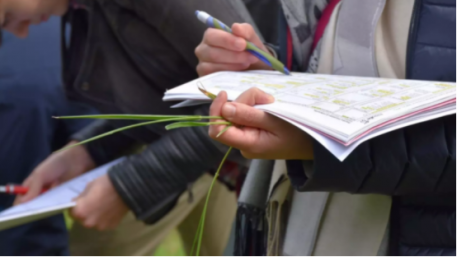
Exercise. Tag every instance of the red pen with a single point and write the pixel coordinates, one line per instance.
(16, 190)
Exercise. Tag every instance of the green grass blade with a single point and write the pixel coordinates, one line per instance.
(197, 233)
(186, 124)
(205, 207)
(122, 129)
(203, 90)
(223, 131)
(137, 117)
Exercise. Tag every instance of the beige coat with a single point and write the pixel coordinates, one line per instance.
(348, 224)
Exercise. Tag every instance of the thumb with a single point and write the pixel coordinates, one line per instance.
(84, 193)
(254, 96)
(240, 112)
(78, 212)
(245, 115)
(247, 32)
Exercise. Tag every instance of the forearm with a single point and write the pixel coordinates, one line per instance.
(150, 182)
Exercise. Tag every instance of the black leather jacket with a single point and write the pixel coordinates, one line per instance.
(121, 58)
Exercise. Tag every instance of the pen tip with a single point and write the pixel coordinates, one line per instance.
(286, 71)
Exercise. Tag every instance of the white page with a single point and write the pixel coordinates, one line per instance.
(52, 202)
(340, 106)
(341, 152)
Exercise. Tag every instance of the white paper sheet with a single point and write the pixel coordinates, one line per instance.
(52, 202)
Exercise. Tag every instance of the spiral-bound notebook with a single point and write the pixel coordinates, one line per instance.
(52, 202)
(340, 112)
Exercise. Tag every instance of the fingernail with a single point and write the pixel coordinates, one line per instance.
(228, 111)
(240, 44)
(253, 59)
(271, 98)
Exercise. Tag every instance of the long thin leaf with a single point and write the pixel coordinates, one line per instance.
(137, 117)
(205, 207)
(223, 131)
(186, 124)
(203, 90)
(121, 129)
(197, 234)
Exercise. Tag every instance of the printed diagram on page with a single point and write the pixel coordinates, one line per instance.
(347, 99)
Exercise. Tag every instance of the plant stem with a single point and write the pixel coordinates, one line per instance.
(197, 233)
(121, 129)
(138, 117)
(187, 124)
(200, 237)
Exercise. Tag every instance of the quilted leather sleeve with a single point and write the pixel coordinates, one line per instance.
(151, 182)
(419, 159)
(107, 148)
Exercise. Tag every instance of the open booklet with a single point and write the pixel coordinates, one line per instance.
(52, 202)
(340, 112)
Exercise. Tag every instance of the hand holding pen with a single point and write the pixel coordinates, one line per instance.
(16, 190)
(239, 49)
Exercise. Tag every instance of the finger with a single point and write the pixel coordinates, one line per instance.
(35, 186)
(216, 105)
(55, 184)
(80, 212)
(215, 110)
(20, 198)
(90, 223)
(242, 138)
(255, 96)
(223, 39)
(205, 68)
(245, 115)
(80, 196)
(206, 53)
(246, 31)
(77, 212)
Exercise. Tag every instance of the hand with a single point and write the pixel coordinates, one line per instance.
(56, 169)
(99, 206)
(259, 134)
(222, 51)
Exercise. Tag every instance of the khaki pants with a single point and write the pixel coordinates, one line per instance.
(348, 225)
(132, 237)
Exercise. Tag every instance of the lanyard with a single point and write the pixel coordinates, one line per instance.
(290, 49)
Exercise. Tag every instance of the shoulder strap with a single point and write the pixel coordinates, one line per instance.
(354, 50)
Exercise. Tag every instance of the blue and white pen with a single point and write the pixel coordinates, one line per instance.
(250, 47)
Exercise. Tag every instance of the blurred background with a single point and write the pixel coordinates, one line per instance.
(31, 92)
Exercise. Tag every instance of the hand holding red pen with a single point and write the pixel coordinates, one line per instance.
(17, 190)
(59, 167)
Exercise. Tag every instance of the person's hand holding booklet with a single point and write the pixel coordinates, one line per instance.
(339, 112)
(258, 135)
